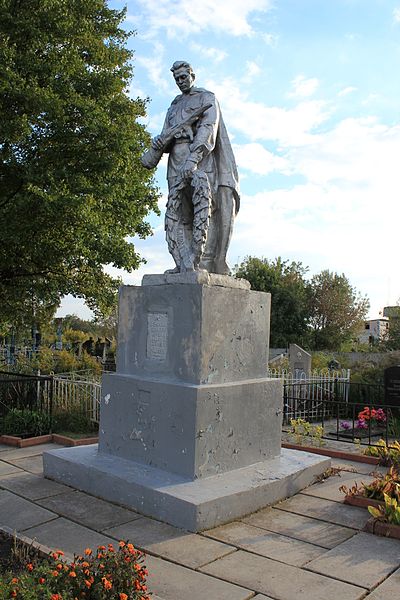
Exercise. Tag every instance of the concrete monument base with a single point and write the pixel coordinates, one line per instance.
(190, 426)
(193, 505)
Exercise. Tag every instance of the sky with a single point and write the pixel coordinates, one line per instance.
(309, 94)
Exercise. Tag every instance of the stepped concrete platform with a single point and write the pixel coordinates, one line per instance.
(193, 505)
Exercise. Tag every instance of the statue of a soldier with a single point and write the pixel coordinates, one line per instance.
(202, 177)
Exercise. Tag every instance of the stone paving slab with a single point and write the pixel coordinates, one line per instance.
(272, 545)
(164, 540)
(262, 597)
(10, 453)
(357, 467)
(6, 468)
(173, 582)
(365, 560)
(31, 486)
(88, 510)
(388, 590)
(33, 464)
(329, 489)
(325, 510)
(299, 527)
(69, 537)
(19, 514)
(281, 582)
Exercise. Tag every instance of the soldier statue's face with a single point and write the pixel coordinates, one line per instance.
(184, 80)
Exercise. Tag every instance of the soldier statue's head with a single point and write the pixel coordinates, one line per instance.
(183, 75)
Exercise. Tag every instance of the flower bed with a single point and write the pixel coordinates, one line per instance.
(108, 573)
(381, 528)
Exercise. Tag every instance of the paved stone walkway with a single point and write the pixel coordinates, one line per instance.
(307, 547)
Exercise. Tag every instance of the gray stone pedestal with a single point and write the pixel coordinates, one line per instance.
(190, 427)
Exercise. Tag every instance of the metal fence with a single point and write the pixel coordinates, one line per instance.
(50, 394)
(75, 393)
(305, 396)
(25, 392)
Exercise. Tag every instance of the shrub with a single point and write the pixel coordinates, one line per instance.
(19, 421)
(105, 574)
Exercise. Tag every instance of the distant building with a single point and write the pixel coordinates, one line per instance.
(375, 330)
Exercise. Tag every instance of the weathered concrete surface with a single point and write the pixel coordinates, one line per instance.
(279, 580)
(6, 468)
(67, 536)
(192, 430)
(168, 542)
(299, 527)
(193, 505)
(272, 545)
(31, 486)
(173, 582)
(88, 511)
(326, 510)
(33, 464)
(19, 514)
(201, 277)
(389, 589)
(365, 560)
(329, 489)
(193, 333)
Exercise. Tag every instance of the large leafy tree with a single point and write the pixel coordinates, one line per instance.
(71, 186)
(337, 311)
(289, 296)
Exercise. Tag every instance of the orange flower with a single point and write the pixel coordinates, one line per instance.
(121, 544)
(85, 564)
(59, 567)
(56, 597)
(72, 574)
(101, 547)
(123, 596)
(55, 573)
(88, 583)
(88, 551)
(14, 594)
(14, 580)
(29, 566)
(107, 584)
(42, 580)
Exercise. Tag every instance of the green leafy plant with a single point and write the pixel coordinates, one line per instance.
(381, 486)
(19, 421)
(388, 454)
(108, 573)
(304, 431)
(389, 512)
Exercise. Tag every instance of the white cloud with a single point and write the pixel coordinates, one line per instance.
(271, 39)
(255, 158)
(184, 17)
(258, 121)
(215, 54)
(396, 15)
(156, 70)
(347, 90)
(303, 87)
(252, 69)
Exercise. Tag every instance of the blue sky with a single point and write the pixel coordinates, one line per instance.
(310, 96)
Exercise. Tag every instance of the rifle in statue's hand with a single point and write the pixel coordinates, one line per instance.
(152, 157)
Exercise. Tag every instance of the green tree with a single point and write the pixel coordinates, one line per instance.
(71, 185)
(289, 296)
(392, 340)
(337, 311)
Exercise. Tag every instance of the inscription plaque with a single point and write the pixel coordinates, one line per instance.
(157, 336)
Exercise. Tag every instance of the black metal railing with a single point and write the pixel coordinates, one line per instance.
(348, 412)
(32, 393)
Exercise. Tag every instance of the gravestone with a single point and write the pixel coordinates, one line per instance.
(299, 362)
(392, 385)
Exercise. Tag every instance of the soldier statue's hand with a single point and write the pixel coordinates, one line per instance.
(188, 169)
(157, 143)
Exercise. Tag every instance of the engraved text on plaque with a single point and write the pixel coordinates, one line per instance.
(157, 335)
